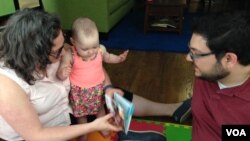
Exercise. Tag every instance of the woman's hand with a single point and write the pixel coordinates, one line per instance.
(105, 123)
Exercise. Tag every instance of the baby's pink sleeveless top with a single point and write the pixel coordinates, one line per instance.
(87, 74)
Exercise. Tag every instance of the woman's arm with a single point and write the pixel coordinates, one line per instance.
(18, 112)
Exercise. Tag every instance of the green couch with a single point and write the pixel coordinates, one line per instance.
(106, 13)
(6, 7)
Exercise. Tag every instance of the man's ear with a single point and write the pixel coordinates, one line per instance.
(231, 59)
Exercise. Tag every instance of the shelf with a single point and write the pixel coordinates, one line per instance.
(164, 15)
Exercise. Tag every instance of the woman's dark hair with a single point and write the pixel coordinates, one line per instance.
(226, 32)
(26, 42)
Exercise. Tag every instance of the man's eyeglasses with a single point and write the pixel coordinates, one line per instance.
(197, 56)
(57, 53)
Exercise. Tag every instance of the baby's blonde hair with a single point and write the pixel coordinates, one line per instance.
(83, 26)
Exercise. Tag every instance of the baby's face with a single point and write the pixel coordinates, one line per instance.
(87, 48)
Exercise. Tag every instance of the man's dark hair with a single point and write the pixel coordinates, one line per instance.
(226, 32)
(26, 42)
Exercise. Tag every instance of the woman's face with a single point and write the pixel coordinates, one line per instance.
(57, 50)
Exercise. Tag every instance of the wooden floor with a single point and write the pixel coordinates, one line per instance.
(162, 77)
(158, 76)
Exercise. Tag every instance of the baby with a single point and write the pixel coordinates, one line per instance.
(83, 64)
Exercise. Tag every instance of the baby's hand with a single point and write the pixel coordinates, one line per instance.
(124, 55)
(66, 71)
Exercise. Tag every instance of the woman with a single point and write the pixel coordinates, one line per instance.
(30, 48)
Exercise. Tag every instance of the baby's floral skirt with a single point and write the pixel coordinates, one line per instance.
(86, 101)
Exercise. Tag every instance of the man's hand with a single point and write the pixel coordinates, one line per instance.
(110, 91)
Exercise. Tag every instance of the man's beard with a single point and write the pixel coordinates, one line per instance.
(217, 73)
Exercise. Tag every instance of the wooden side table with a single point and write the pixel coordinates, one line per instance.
(164, 15)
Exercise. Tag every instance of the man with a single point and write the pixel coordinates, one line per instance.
(220, 53)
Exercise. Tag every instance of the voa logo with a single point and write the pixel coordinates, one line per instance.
(236, 132)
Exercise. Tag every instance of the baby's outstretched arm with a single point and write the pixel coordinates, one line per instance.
(112, 58)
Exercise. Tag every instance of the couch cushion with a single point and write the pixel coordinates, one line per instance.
(113, 5)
